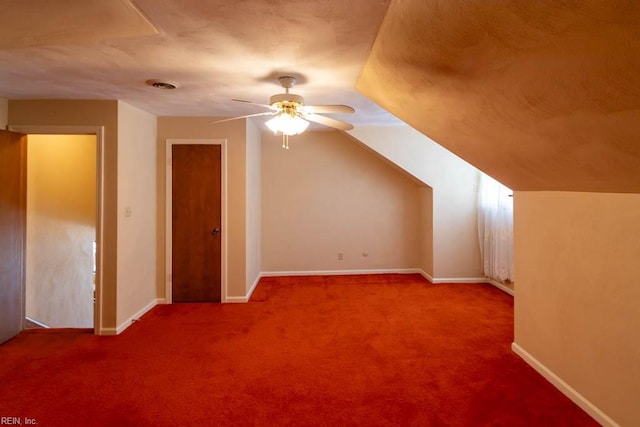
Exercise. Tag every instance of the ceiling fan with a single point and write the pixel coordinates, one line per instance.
(292, 116)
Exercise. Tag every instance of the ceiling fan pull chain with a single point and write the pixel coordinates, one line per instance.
(285, 141)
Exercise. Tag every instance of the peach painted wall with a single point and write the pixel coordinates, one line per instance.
(4, 112)
(456, 251)
(61, 229)
(425, 229)
(577, 303)
(136, 212)
(328, 195)
(235, 134)
(254, 204)
(86, 113)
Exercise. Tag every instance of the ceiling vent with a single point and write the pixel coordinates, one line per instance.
(161, 84)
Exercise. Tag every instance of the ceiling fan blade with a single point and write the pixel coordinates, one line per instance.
(327, 121)
(254, 103)
(336, 109)
(268, 113)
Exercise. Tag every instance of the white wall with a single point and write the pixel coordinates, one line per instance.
(61, 229)
(136, 276)
(425, 230)
(254, 204)
(577, 300)
(456, 252)
(328, 194)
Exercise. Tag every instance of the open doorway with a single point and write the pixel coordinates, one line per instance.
(60, 263)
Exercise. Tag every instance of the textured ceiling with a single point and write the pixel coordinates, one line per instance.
(215, 50)
(31, 23)
(542, 95)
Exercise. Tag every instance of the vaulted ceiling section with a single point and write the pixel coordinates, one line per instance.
(542, 95)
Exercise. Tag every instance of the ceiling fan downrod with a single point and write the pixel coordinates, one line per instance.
(287, 82)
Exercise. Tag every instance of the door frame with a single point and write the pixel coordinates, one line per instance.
(98, 131)
(169, 220)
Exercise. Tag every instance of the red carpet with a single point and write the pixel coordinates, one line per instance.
(383, 350)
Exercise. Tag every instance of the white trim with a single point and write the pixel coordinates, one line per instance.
(35, 322)
(223, 214)
(500, 286)
(474, 280)
(98, 131)
(565, 388)
(253, 287)
(247, 297)
(131, 320)
(237, 300)
(437, 280)
(426, 275)
(339, 272)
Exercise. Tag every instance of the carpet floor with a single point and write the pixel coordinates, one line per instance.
(369, 350)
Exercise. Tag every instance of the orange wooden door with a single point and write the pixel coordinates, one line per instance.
(12, 232)
(196, 223)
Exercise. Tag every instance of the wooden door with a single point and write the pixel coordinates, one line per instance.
(196, 222)
(12, 232)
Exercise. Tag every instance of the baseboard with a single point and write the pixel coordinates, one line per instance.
(565, 388)
(254, 286)
(30, 323)
(460, 280)
(247, 297)
(340, 272)
(500, 286)
(426, 275)
(436, 280)
(124, 325)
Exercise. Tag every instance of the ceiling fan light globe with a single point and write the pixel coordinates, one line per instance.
(287, 124)
(299, 125)
(273, 125)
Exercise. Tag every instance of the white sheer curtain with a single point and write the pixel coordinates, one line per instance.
(495, 228)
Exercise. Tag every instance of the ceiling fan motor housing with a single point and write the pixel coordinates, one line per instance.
(286, 98)
(287, 103)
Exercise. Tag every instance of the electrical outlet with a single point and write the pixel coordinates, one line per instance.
(340, 256)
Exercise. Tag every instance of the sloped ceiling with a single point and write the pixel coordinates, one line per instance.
(542, 95)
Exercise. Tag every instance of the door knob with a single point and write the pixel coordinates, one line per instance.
(215, 231)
